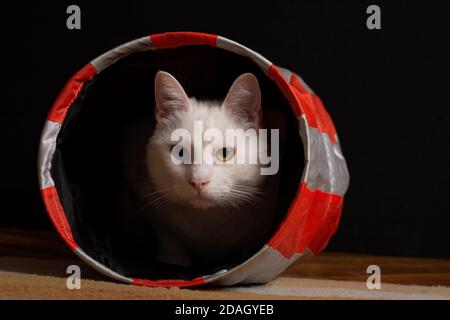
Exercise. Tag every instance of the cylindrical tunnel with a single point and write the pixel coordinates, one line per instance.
(97, 130)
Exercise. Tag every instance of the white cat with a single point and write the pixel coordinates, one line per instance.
(205, 212)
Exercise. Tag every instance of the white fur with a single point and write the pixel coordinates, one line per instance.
(229, 184)
(230, 213)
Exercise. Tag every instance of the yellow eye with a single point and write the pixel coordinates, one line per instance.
(225, 154)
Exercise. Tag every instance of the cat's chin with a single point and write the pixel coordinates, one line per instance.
(202, 203)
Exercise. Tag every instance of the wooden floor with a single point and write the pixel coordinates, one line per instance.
(353, 267)
(330, 266)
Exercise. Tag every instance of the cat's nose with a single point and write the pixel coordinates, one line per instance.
(198, 184)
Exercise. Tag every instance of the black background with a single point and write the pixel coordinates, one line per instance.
(386, 90)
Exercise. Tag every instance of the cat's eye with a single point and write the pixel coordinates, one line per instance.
(225, 154)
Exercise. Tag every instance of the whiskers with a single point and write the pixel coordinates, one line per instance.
(240, 196)
(238, 199)
(154, 196)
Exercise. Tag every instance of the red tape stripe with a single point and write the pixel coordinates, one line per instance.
(57, 215)
(303, 102)
(275, 74)
(69, 93)
(169, 283)
(310, 222)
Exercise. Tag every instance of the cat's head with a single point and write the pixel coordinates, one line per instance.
(221, 181)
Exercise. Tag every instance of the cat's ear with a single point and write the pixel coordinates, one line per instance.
(243, 101)
(170, 97)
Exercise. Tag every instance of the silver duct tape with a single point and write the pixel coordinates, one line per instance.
(264, 266)
(112, 56)
(46, 150)
(286, 73)
(100, 267)
(308, 88)
(325, 169)
(238, 48)
(304, 135)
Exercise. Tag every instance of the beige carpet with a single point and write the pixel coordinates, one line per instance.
(33, 266)
(21, 284)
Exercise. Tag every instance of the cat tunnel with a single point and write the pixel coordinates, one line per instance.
(98, 127)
